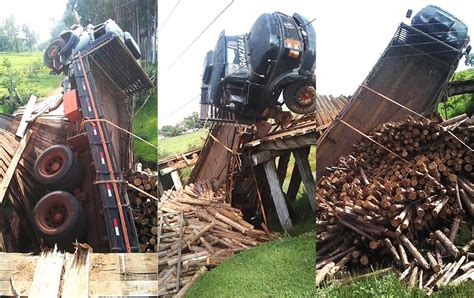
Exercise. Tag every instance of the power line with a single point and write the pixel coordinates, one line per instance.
(200, 34)
(180, 107)
(167, 18)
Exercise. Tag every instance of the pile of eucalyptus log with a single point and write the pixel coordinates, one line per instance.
(144, 208)
(399, 199)
(199, 229)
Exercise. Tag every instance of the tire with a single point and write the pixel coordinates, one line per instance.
(57, 168)
(290, 97)
(59, 217)
(51, 55)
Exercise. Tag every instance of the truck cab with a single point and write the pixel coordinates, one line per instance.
(247, 73)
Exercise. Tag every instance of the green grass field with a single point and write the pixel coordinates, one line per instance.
(280, 268)
(182, 143)
(145, 125)
(23, 62)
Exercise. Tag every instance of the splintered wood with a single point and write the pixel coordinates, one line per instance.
(144, 208)
(399, 199)
(198, 228)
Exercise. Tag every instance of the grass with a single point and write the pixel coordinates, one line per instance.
(388, 285)
(145, 125)
(182, 143)
(282, 267)
(44, 83)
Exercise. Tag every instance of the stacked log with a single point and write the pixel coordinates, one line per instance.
(144, 208)
(399, 199)
(198, 228)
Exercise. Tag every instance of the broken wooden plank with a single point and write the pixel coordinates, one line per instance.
(176, 180)
(76, 274)
(47, 278)
(20, 132)
(13, 164)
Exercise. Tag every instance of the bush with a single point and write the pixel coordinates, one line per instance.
(18, 84)
(458, 104)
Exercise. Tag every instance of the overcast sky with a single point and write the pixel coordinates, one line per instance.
(351, 36)
(35, 13)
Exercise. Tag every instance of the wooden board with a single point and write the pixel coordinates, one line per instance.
(124, 274)
(213, 161)
(26, 116)
(13, 164)
(108, 274)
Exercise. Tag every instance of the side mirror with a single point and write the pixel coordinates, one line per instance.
(408, 14)
(206, 76)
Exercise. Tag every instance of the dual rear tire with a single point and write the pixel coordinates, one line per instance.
(58, 216)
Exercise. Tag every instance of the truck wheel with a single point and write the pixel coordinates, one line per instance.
(59, 216)
(300, 98)
(57, 168)
(51, 55)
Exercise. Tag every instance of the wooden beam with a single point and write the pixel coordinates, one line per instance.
(277, 195)
(20, 132)
(294, 186)
(176, 180)
(283, 166)
(263, 156)
(291, 142)
(301, 158)
(13, 164)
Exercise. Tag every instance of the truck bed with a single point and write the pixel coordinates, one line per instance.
(413, 77)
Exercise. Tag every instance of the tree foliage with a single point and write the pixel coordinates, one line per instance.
(459, 104)
(171, 131)
(139, 17)
(189, 123)
(31, 38)
(20, 85)
(192, 122)
(16, 38)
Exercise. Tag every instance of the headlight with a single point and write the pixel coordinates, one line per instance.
(293, 44)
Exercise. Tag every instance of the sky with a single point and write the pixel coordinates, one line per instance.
(39, 15)
(351, 36)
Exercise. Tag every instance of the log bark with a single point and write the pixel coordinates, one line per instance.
(416, 254)
(450, 247)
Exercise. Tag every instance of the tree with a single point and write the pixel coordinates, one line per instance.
(12, 31)
(4, 41)
(31, 38)
(138, 17)
(192, 122)
(170, 131)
